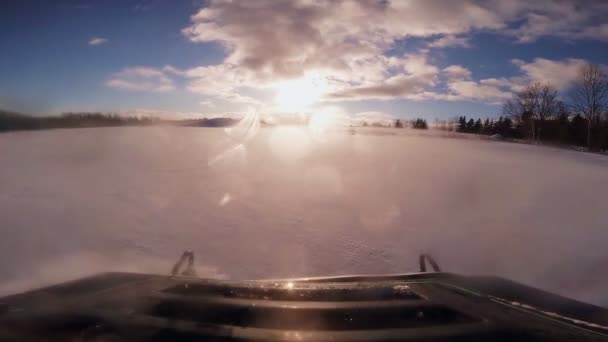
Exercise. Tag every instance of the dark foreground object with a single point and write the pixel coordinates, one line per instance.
(422, 306)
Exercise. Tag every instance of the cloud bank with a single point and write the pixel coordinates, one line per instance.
(349, 45)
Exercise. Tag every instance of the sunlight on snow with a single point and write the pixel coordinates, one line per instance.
(290, 143)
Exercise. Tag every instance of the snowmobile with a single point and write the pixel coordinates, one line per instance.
(430, 305)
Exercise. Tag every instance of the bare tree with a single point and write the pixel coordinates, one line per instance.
(562, 112)
(521, 109)
(590, 96)
(536, 101)
(522, 102)
(547, 104)
(547, 101)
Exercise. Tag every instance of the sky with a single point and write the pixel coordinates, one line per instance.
(370, 58)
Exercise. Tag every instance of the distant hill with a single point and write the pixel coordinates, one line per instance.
(214, 122)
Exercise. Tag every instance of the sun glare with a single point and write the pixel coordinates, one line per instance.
(326, 119)
(298, 95)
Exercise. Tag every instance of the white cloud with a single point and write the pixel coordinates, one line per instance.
(472, 90)
(498, 82)
(599, 32)
(413, 75)
(559, 18)
(449, 41)
(457, 72)
(462, 87)
(402, 86)
(559, 74)
(217, 80)
(97, 41)
(141, 79)
(207, 103)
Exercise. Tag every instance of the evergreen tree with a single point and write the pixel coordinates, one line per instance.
(462, 124)
(470, 126)
(487, 127)
(477, 127)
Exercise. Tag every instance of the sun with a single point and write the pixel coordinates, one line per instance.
(298, 95)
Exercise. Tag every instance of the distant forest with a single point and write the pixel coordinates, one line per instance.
(12, 121)
(566, 129)
(418, 123)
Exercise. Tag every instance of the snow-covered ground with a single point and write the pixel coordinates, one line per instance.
(293, 202)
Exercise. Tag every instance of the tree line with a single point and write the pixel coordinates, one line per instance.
(539, 114)
(12, 121)
(418, 123)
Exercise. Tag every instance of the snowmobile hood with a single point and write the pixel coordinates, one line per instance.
(431, 306)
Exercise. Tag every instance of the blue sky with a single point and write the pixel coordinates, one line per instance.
(432, 58)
